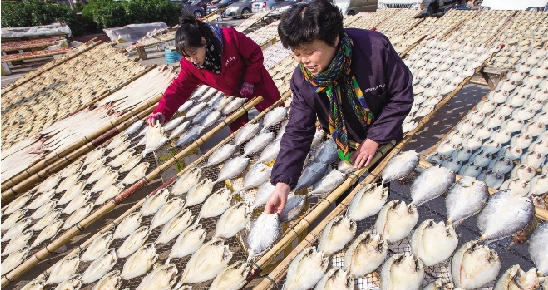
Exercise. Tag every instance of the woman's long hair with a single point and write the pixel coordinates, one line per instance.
(190, 33)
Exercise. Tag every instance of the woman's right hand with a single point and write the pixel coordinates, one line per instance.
(276, 201)
(152, 118)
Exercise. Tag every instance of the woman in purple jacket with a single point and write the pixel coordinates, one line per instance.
(351, 79)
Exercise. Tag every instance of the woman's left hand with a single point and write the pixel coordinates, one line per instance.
(365, 153)
(247, 90)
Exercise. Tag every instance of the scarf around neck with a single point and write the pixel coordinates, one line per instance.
(213, 53)
(339, 85)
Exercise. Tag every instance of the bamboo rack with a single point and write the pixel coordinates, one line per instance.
(31, 55)
(8, 191)
(92, 218)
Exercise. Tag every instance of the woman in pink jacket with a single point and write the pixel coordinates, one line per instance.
(222, 58)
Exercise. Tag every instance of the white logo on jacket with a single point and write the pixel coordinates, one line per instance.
(229, 60)
(373, 88)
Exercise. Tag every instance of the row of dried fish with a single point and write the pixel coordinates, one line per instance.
(369, 20)
(482, 27)
(399, 23)
(274, 54)
(265, 34)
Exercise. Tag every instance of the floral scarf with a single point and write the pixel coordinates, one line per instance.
(213, 53)
(338, 83)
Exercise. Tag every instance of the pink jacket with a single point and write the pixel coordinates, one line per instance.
(242, 60)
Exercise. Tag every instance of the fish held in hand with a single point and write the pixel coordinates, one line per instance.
(155, 138)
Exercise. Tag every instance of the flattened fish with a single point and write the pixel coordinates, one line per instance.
(365, 254)
(207, 262)
(431, 183)
(246, 132)
(474, 265)
(400, 165)
(306, 270)
(368, 201)
(311, 174)
(108, 193)
(46, 220)
(168, 211)
(293, 207)
(161, 278)
(274, 117)
(98, 174)
(175, 226)
(129, 224)
(74, 167)
(433, 242)
(516, 278)
(94, 155)
(13, 219)
(188, 242)
(136, 173)
(14, 260)
(338, 232)
(402, 272)
(186, 181)
(100, 267)
(199, 192)
(538, 248)
(263, 193)
(77, 202)
(232, 221)
(232, 278)
(120, 148)
(47, 233)
(17, 203)
(134, 127)
(265, 230)
(210, 119)
(256, 175)
(180, 129)
(154, 202)
(97, 247)
(130, 163)
(270, 152)
(335, 279)
(173, 123)
(327, 184)
(155, 138)
(140, 262)
(221, 154)
(122, 158)
(89, 168)
(191, 135)
(216, 204)
(78, 215)
(17, 229)
(63, 269)
(111, 281)
(72, 193)
(50, 183)
(396, 220)
(17, 243)
(72, 283)
(232, 168)
(44, 209)
(466, 198)
(232, 106)
(133, 242)
(258, 143)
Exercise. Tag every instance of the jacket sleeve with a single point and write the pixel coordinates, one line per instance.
(399, 80)
(177, 93)
(295, 143)
(253, 57)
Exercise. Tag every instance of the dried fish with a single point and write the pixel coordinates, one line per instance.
(368, 201)
(175, 226)
(134, 127)
(154, 202)
(265, 230)
(122, 158)
(136, 173)
(17, 229)
(72, 283)
(440, 284)
(396, 220)
(258, 143)
(270, 152)
(13, 260)
(327, 153)
(161, 278)
(36, 284)
(365, 254)
(46, 220)
(232, 106)
(402, 272)
(98, 247)
(188, 242)
(19, 242)
(335, 279)
(180, 129)
(98, 174)
(174, 123)
(130, 163)
(221, 154)
(474, 265)
(50, 183)
(77, 202)
(515, 278)
(311, 174)
(539, 249)
(100, 267)
(431, 183)
(133, 242)
(108, 193)
(76, 166)
(246, 132)
(293, 207)
(232, 221)
(155, 138)
(231, 278)
(216, 204)
(190, 136)
(186, 181)
(119, 149)
(263, 193)
(433, 242)
(13, 219)
(44, 209)
(63, 269)
(140, 262)
(170, 209)
(207, 262)
(338, 232)
(111, 281)
(78, 215)
(256, 175)
(72, 193)
(466, 198)
(306, 270)
(128, 225)
(17, 203)
(505, 214)
(210, 119)
(400, 165)
(274, 117)
(328, 183)
(47, 233)
(94, 155)
(232, 168)
(69, 182)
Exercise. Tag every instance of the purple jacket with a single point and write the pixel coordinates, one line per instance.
(387, 85)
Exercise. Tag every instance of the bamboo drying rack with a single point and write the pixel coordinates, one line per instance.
(92, 218)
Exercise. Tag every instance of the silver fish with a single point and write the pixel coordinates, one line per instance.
(154, 202)
(17, 203)
(365, 254)
(282, 130)
(219, 106)
(47, 233)
(120, 149)
(515, 278)
(63, 269)
(319, 135)
(201, 116)
(207, 262)
(335, 279)
(210, 119)
(46, 220)
(74, 167)
(538, 249)
(72, 193)
(17, 229)
(431, 183)
(130, 163)
(116, 142)
(140, 262)
(44, 209)
(199, 192)
(274, 117)
(263, 193)
(396, 220)
(133, 242)
(402, 272)
(129, 224)
(142, 133)
(270, 152)
(98, 174)
(111, 281)
(107, 180)
(232, 106)
(232, 221)
(134, 127)
(94, 155)
(14, 259)
(161, 278)
(221, 154)
(517, 186)
(97, 247)
(232, 168)
(246, 132)
(72, 283)
(257, 175)
(170, 209)
(180, 129)
(293, 207)
(231, 278)
(474, 265)
(122, 158)
(184, 107)
(188, 242)
(155, 138)
(265, 230)
(505, 214)
(306, 270)
(173, 123)
(138, 172)
(78, 215)
(186, 181)
(216, 204)
(175, 226)
(327, 184)
(49, 183)
(328, 153)
(19, 242)
(311, 174)
(77, 202)
(338, 232)
(13, 219)
(108, 193)
(368, 201)
(190, 136)
(433, 242)
(71, 180)
(400, 165)
(258, 143)
(100, 267)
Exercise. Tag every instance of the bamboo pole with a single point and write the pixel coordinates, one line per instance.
(86, 222)
(279, 272)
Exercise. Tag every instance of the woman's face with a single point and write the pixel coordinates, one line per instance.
(315, 56)
(196, 55)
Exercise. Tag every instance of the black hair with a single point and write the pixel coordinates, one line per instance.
(190, 33)
(306, 22)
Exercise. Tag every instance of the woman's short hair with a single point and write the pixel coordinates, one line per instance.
(190, 33)
(306, 22)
